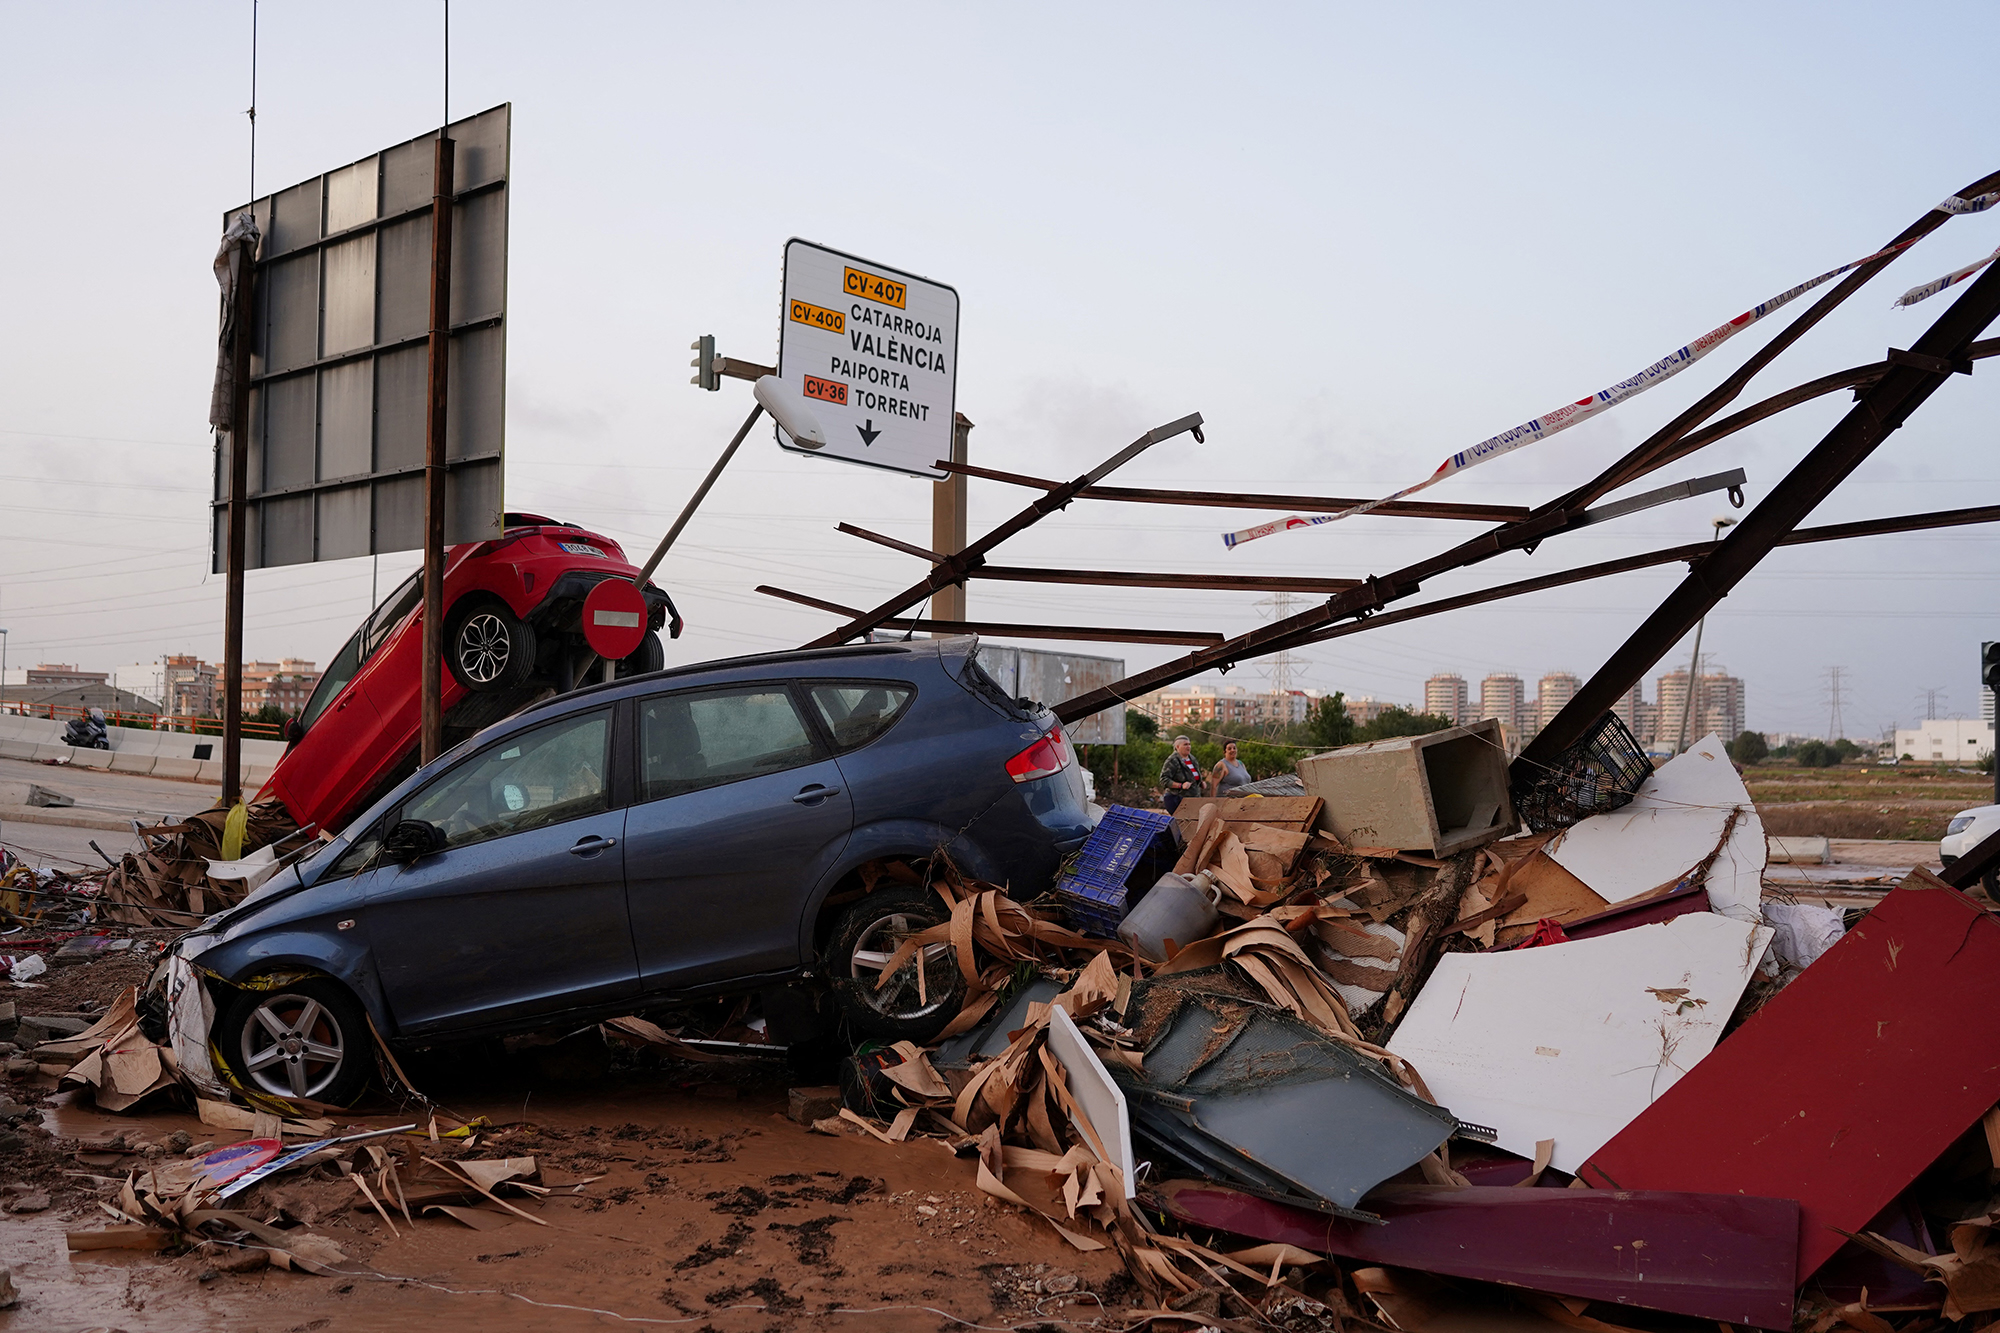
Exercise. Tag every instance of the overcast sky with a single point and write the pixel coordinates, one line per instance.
(1355, 238)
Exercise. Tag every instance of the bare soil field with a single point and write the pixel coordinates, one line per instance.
(1906, 802)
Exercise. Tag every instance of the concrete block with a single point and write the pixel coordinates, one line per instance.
(90, 758)
(805, 1105)
(208, 770)
(16, 749)
(1441, 793)
(132, 761)
(47, 751)
(166, 766)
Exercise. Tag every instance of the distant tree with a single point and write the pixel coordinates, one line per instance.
(1394, 721)
(1140, 726)
(1329, 725)
(1749, 748)
(1815, 754)
(268, 713)
(1847, 748)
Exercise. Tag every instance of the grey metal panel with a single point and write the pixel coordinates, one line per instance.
(479, 154)
(407, 174)
(1050, 678)
(399, 410)
(288, 434)
(403, 266)
(290, 293)
(346, 422)
(347, 299)
(345, 523)
(474, 413)
(472, 500)
(478, 257)
(295, 218)
(254, 441)
(399, 514)
(340, 429)
(288, 530)
(350, 196)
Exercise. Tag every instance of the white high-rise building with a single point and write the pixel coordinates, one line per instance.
(1446, 696)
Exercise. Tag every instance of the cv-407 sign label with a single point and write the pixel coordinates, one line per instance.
(875, 350)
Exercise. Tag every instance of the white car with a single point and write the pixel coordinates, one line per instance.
(1967, 829)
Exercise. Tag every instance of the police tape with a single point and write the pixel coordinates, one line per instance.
(1570, 414)
(1932, 288)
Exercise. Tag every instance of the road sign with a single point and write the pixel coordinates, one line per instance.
(875, 352)
(339, 350)
(614, 619)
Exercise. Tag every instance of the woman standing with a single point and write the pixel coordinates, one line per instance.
(1180, 775)
(1228, 773)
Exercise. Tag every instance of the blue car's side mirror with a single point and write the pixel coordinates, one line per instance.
(413, 839)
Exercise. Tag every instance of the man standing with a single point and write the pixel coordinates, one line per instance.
(1179, 775)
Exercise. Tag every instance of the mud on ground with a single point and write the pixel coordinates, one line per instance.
(682, 1197)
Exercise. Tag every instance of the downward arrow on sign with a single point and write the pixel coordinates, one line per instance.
(868, 432)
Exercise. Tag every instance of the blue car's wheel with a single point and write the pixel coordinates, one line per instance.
(922, 994)
(307, 1038)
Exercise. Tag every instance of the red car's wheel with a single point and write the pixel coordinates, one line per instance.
(490, 648)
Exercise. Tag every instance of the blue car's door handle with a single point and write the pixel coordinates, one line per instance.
(592, 845)
(809, 795)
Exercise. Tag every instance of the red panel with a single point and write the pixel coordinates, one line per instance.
(1847, 1084)
(1721, 1257)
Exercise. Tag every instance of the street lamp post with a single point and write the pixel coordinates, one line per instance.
(1694, 667)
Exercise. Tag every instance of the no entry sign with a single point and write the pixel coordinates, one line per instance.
(614, 619)
(875, 352)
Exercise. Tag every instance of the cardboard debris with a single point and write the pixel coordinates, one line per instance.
(113, 1058)
(1573, 1041)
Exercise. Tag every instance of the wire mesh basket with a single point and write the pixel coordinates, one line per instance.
(1599, 771)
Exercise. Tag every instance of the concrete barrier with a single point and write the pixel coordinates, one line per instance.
(48, 751)
(165, 766)
(128, 761)
(90, 758)
(16, 749)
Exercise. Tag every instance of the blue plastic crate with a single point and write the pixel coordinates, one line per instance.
(1094, 888)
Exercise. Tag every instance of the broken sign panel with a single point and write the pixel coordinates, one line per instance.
(1572, 1041)
(1693, 809)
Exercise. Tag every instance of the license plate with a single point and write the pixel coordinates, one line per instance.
(582, 548)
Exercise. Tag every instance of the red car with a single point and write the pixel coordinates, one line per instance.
(513, 631)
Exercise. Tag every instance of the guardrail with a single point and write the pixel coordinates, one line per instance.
(198, 726)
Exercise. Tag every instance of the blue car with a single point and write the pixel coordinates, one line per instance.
(736, 827)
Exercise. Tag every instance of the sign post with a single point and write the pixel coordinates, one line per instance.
(948, 522)
(432, 743)
(239, 514)
(876, 351)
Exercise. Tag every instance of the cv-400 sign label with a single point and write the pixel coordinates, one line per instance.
(875, 350)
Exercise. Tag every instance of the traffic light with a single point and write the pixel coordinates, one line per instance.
(704, 363)
(1989, 665)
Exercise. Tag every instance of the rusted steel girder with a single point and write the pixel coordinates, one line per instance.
(1547, 520)
(954, 568)
(1693, 553)
(1312, 504)
(1078, 632)
(1903, 388)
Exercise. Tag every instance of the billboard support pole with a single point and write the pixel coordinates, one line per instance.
(948, 522)
(239, 513)
(434, 453)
